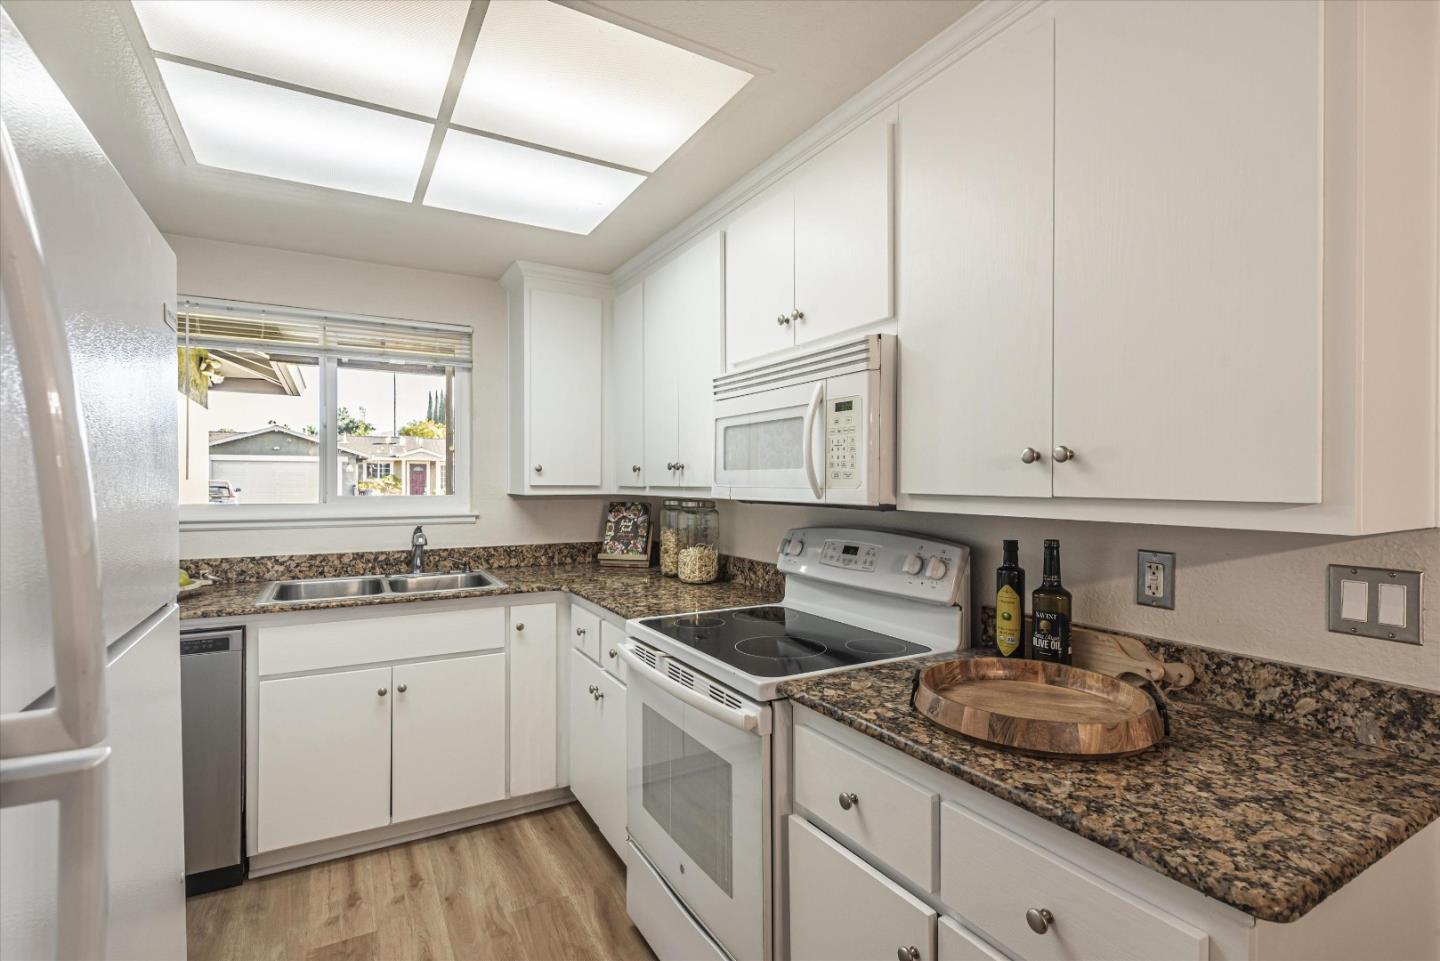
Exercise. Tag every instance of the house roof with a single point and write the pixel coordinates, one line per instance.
(218, 437)
(364, 447)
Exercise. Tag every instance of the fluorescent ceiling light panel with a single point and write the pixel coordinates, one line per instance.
(493, 178)
(394, 54)
(554, 76)
(261, 129)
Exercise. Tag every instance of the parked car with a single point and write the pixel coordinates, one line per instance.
(222, 493)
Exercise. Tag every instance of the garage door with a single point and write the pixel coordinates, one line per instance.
(265, 480)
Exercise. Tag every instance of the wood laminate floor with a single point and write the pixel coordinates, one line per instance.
(542, 886)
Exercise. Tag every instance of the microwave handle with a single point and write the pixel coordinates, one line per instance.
(816, 401)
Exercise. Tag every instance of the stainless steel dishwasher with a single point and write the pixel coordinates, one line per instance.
(212, 717)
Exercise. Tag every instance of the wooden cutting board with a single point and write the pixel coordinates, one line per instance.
(1039, 707)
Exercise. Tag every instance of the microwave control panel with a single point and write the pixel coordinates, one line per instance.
(844, 428)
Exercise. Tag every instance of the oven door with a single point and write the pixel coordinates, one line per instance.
(770, 445)
(696, 797)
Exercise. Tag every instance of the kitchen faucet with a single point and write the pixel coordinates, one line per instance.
(417, 550)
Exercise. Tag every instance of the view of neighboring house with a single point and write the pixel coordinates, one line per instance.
(278, 465)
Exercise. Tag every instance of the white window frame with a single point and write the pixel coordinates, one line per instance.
(334, 509)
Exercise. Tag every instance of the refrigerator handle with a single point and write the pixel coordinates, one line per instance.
(62, 481)
(77, 780)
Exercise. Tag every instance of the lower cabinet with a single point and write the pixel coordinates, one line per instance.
(448, 742)
(597, 746)
(324, 756)
(954, 943)
(842, 909)
(533, 695)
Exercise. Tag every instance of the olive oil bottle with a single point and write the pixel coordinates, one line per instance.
(1050, 609)
(1010, 602)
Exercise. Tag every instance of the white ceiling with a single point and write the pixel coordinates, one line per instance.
(808, 58)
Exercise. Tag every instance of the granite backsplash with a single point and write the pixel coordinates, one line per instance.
(1402, 719)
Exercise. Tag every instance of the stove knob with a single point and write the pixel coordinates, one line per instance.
(912, 564)
(794, 547)
(936, 568)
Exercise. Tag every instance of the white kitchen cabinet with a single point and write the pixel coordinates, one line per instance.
(533, 682)
(448, 742)
(585, 631)
(557, 330)
(627, 384)
(683, 321)
(597, 747)
(814, 257)
(611, 637)
(976, 213)
(954, 943)
(841, 908)
(324, 756)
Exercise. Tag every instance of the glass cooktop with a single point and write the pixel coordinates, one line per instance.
(774, 641)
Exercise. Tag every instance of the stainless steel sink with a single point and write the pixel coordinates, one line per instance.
(427, 583)
(325, 589)
(342, 588)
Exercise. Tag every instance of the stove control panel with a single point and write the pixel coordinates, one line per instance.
(884, 561)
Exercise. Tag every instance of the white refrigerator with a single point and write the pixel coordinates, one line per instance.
(91, 832)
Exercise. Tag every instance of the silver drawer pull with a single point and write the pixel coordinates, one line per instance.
(579, 632)
(382, 691)
(848, 801)
(1029, 455)
(614, 653)
(910, 953)
(402, 688)
(599, 695)
(1039, 919)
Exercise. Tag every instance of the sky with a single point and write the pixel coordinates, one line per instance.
(369, 390)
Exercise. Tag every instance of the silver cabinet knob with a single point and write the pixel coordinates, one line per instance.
(599, 695)
(592, 689)
(1062, 454)
(1039, 919)
(613, 653)
(848, 801)
(782, 320)
(679, 466)
(519, 627)
(910, 953)
(538, 468)
(635, 469)
(402, 688)
(670, 465)
(797, 314)
(579, 632)
(383, 691)
(1029, 455)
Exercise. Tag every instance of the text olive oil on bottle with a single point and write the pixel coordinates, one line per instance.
(1050, 610)
(1010, 602)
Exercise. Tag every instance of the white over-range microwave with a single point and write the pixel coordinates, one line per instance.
(814, 428)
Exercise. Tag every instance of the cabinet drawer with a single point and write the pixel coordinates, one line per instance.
(841, 908)
(292, 648)
(992, 877)
(611, 638)
(888, 815)
(585, 632)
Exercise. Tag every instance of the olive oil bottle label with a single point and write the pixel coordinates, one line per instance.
(1050, 641)
(1007, 620)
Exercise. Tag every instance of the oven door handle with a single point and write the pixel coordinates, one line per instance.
(754, 719)
(816, 401)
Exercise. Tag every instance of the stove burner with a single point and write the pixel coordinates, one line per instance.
(876, 645)
(780, 648)
(694, 622)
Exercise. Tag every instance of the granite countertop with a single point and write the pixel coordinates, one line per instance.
(627, 592)
(1259, 815)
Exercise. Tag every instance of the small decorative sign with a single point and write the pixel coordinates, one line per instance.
(626, 541)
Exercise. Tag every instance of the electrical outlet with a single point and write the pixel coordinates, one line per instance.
(1155, 578)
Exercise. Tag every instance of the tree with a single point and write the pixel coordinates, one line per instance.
(389, 484)
(423, 428)
(346, 423)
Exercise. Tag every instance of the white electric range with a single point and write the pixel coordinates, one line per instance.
(707, 734)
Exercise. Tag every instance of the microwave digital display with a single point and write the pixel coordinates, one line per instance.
(844, 405)
(850, 550)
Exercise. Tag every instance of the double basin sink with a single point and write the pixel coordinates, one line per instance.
(375, 585)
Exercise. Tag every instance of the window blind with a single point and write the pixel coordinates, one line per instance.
(233, 325)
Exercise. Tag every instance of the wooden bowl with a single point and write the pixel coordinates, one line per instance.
(1039, 707)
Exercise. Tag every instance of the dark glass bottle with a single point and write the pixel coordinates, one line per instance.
(1050, 610)
(1010, 602)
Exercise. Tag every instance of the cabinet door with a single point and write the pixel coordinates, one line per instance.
(597, 747)
(627, 366)
(1188, 250)
(533, 716)
(843, 241)
(584, 711)
(585, 632)
(664, 314)
(564, 389)
(611, 637)
(760, 277)
(324, 756)
(976, 216)
(841, 908)
(702, 272)
(449, 735)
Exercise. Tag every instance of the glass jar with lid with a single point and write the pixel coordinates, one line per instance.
(699, 560)
(670, 538)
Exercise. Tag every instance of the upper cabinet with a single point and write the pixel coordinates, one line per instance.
(626, 350)
(557, 323)
(813, 257)
(683, 320)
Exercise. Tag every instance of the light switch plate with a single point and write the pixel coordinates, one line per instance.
(1155, 578)
(1404, 608)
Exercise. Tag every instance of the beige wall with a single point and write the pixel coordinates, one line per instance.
(266, 275)
(1260, 594)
